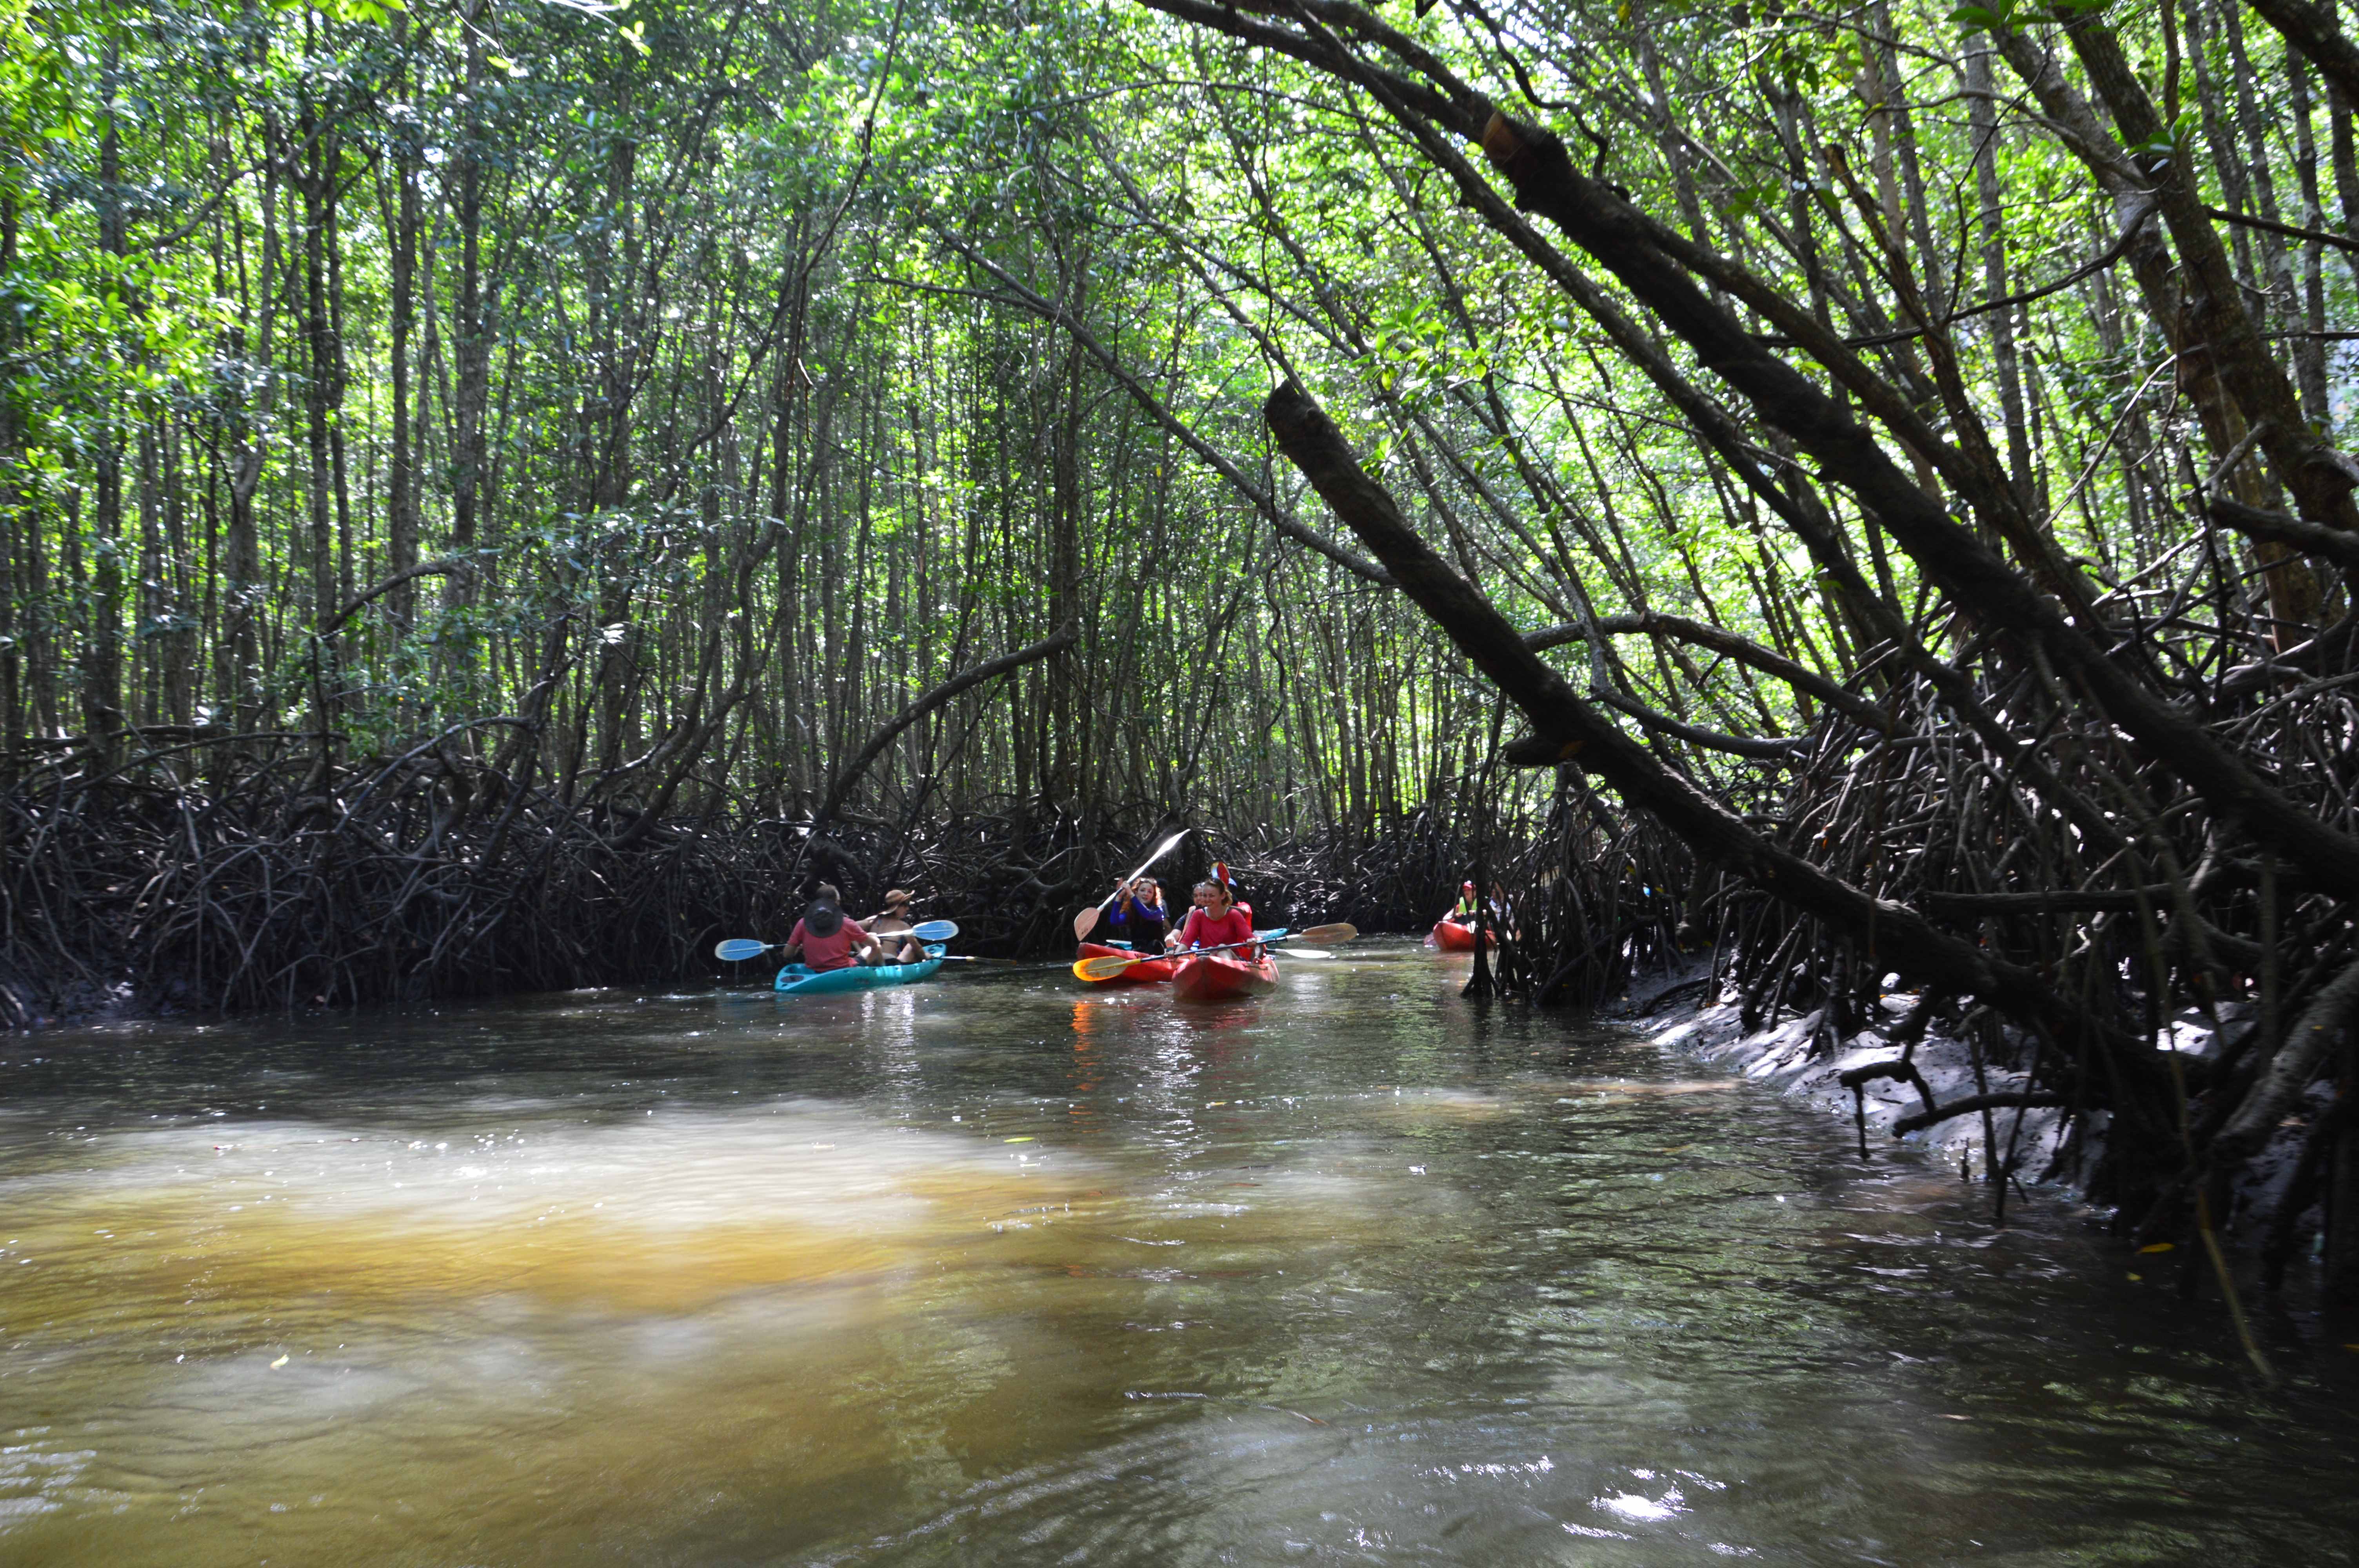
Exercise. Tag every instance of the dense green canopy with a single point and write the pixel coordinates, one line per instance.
(737, 373)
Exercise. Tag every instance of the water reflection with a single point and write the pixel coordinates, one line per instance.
(998, 1272)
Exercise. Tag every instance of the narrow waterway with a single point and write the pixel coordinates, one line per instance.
(994, 1272)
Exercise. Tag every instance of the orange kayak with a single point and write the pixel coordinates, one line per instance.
(1150, 972)
(1216, 977)
(1452, 937)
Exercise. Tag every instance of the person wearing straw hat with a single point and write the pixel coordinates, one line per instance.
(892, 926)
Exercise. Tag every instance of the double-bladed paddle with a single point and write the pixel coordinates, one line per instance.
(1112, 964)
(737, 949)
(1087, 921)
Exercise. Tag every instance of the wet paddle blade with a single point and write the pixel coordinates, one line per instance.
(737, 949)
(1161, 850)
(934, 930)
(1104, 968)
(1085, 923)
(1342, 931)
(1294, 952)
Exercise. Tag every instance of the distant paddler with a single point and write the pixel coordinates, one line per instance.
(1454, 932)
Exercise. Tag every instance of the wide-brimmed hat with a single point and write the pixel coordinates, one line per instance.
(822, 919)
(898, 895)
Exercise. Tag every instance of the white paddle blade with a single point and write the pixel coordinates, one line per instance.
(934, 930)
(1161, 850)
(737, 949)
(1087, 921)
(1293, 952)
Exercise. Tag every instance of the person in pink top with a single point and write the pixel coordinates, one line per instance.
(825, 939)
(1215, 922)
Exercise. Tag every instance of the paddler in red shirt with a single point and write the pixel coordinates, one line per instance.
(1215, 922)
(824, 939)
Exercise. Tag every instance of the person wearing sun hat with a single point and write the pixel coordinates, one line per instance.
(824, 938)
(892, 925)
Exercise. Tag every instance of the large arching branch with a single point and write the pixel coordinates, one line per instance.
(1745, 651)
(1889, 933)
(965, 680)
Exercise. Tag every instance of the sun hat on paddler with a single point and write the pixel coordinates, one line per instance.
(898, 895)
(822, 918)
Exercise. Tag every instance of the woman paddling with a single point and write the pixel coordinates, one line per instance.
(892, 926)
(1138, 916)
(1215, 922)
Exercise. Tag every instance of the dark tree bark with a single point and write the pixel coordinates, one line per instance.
(1889, 934)
(2311, 29)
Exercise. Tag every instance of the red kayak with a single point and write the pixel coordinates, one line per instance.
(1452, 937)
(1216, 977)
(1150, 971)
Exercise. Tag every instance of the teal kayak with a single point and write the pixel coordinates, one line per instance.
(797, 981)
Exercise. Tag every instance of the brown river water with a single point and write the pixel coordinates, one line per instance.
(993, 1271)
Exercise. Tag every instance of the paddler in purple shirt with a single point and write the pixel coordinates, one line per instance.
(1138, 916)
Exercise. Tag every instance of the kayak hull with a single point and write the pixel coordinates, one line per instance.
(1451, 937)
(1217, 976)
(1151, 971)
(797, 981)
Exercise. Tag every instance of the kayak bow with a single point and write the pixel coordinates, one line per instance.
(1146, 971)
(1217, 976)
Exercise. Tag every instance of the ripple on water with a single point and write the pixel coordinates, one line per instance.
(1013, 1273)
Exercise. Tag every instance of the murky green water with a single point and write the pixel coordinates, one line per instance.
(993, 1272)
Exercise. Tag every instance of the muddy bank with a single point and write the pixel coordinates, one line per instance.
(1964, 1092)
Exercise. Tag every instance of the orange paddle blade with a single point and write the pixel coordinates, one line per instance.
(1106, 968)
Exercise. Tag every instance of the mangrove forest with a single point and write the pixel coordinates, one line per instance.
(1843, 515)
